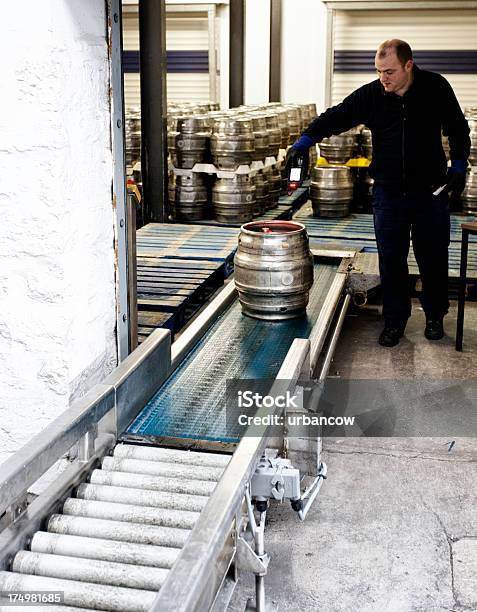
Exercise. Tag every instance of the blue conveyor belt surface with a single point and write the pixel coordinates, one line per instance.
(191, 403)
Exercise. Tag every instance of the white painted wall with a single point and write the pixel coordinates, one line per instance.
(257, 51)
(57, 281)
(303, 60)
(303, 51)
(223, 48)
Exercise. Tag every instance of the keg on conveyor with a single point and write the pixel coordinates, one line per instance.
(188, 197)
(471, 116)
(232, 142)
(234, 199)
(189, 142)
(331, 191)
(469, 195)
(338, 149)
(273, 269)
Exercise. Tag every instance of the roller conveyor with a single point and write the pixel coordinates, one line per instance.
(125, 520)
(113, 544)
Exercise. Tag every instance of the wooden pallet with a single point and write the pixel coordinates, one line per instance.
(147, 322)
(358, 226)
(174, 287)
(186, 242)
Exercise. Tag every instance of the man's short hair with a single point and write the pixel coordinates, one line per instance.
(400, 47)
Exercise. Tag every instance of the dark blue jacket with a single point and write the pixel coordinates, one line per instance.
(407, 145)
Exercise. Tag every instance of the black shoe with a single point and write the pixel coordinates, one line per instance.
(434, 329)
(390, 336)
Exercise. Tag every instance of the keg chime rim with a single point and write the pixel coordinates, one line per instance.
(274, 227)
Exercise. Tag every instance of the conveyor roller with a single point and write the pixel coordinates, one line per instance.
(115, 542)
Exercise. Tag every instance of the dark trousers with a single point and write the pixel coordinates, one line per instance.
(424, 218)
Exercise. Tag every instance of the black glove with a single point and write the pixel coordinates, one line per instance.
(293, 154)
(456, 175)
(298, 149)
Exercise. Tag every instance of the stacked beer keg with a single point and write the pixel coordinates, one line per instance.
(471, 116)
(188, 141)
(133, 136)
(188, 196)
(331, 191)
(469, 195)
(366, 143)
(340, 148)
(234, 199)
(223, 147)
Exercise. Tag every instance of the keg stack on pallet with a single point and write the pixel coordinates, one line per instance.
(341, 176)
(469, 196)
(233, 159)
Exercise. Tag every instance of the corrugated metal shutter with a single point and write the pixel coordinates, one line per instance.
(357, 33)
(187, 43)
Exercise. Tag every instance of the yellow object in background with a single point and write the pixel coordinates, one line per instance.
(358, 162)
(354, 162)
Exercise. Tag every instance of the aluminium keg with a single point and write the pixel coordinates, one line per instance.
(294, 123)
(189, 143)
(232, 142)
(469, 195)
(273, 269)
(282, 115)
(331, 191)
(262, 194)
(234, 199)
(312, 112)
(471, 116)
(132, 132)
(366, 143)
(188, 197)
(274, 179)
(338, 149)
(260, 133)
(274, 132)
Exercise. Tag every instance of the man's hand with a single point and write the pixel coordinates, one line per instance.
(455, 180)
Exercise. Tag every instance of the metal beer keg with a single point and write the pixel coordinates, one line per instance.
(273, 269)
(189, 142)
(331, 191)
(469, 195)
(234, 199)
(338, 149)
(232, 142)
(188, 197)
(471, 116)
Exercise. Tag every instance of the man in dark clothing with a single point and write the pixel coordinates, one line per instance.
(405, 108)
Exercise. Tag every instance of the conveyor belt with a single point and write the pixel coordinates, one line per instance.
(191, 402)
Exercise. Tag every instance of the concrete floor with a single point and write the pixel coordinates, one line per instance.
(394, 527)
